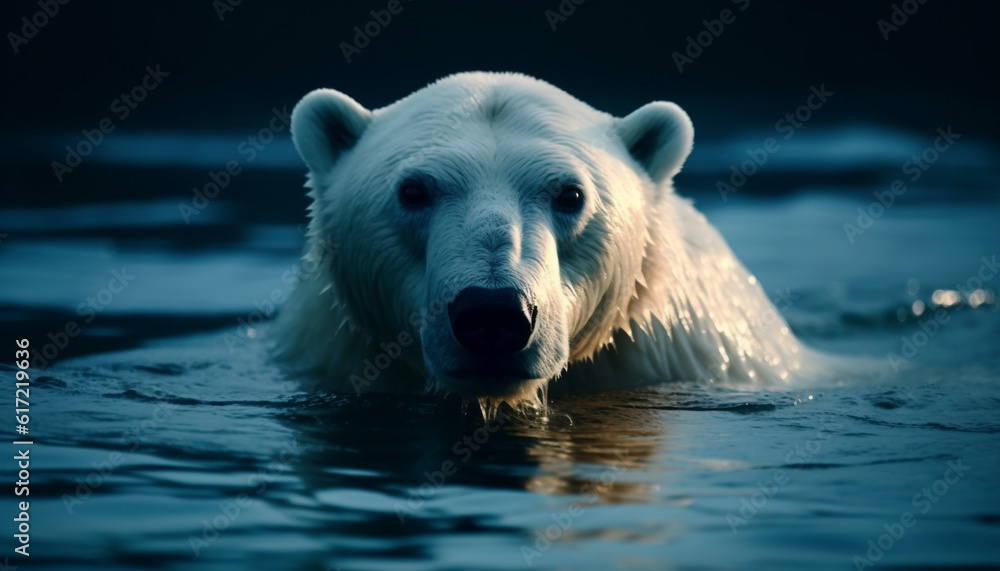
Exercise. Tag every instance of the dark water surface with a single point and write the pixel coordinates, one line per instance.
(165, 437)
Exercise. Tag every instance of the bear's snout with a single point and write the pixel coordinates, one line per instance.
(492, 322)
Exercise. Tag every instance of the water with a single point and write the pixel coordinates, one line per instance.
(165, 437)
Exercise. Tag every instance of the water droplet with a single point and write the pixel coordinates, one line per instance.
(977, 298)
(945, 297)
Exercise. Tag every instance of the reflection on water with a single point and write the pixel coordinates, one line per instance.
(166, 438)
(225, 463)
(601, 434)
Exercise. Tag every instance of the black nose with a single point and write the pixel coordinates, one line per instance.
(492, 321)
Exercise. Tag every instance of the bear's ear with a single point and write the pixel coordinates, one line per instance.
(325, 123)
(659, 135)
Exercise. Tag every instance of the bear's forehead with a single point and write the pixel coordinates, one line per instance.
(468, 129)
(466, 102)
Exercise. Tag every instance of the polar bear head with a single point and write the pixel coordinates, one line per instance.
(499, 219)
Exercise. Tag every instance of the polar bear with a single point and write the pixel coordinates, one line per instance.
(490, 233)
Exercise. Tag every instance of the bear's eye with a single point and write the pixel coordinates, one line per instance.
(569, 199)
(413, 195)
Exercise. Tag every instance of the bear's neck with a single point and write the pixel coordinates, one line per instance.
(697, 313)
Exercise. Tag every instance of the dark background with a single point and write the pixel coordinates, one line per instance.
(225, 76)
(612, 54)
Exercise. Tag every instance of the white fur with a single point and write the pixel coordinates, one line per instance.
(638, 289)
